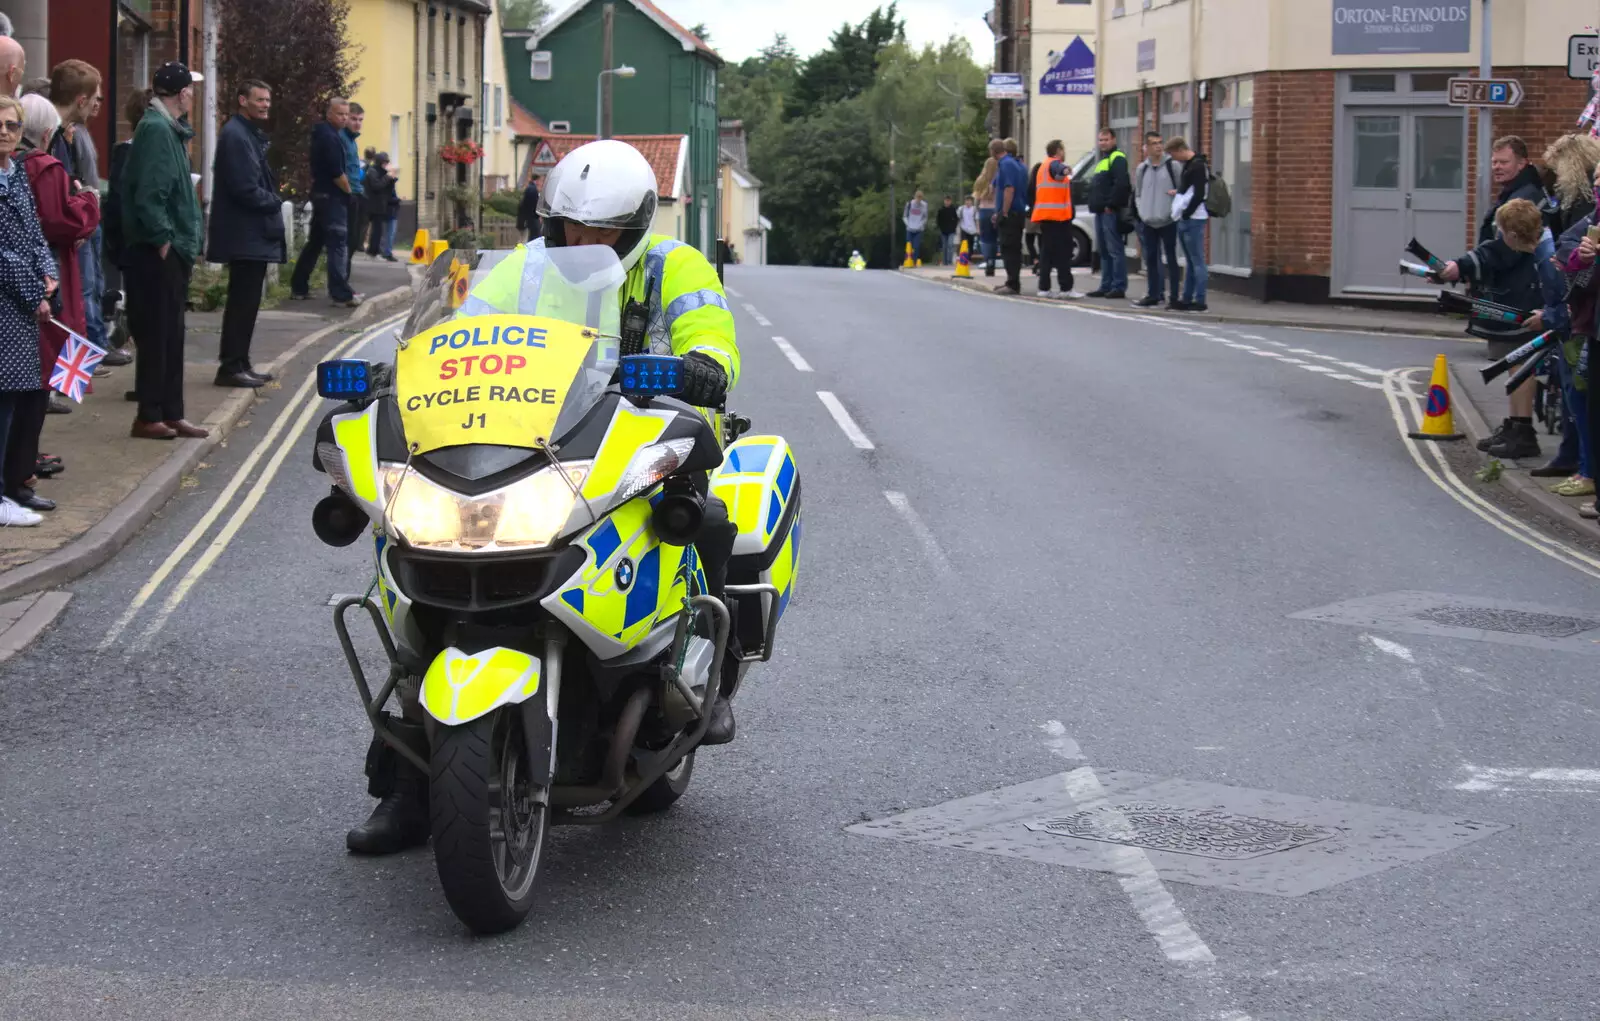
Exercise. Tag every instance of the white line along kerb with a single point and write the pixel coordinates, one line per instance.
(846, 423)
(790, 353)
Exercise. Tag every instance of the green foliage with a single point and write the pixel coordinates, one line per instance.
(505, 202)
(523, 14)
(1490, 472)
(465, 237)
(819, 136)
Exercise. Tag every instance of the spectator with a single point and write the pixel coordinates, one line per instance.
(1155, 186)
(948, 220)
(983, 193)
(330, 210)
(1567, 177)
(382, 204)
(968, 219)
(1011, 191)
(27, 279)
(161, 232)
(1052, 211)
(528, 210)
(1190, 208)
(1505, 268)
(111, 216)
(67, 215)
(354, 172)
(13, 66)
(915, 217)
(1515, 178)
(1575, 254)
(246, 229)
(1109, 193)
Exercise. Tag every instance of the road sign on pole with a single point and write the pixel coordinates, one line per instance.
(1505, 92)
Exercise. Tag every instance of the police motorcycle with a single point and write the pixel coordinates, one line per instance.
(533, 497)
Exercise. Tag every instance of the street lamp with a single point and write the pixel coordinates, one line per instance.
(599, 96)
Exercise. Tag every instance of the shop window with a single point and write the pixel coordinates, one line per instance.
(1372, 83)
(1431, 82)
(1122, 117)
(1232, 157)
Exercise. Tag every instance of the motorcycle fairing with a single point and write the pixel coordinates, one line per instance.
(459, 687)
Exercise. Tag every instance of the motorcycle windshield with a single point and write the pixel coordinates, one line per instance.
(506, 354)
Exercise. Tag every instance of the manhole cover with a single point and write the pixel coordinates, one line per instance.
(1198, 831)
(1514, 622)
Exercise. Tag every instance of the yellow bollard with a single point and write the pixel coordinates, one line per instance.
(437, 248)
(1438, 421)
(964, 263)
(419, 248)
(910, 263)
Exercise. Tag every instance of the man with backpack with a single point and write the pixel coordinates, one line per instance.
(1190, 208)
(1154, 188)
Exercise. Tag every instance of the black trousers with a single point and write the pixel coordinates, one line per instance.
(1055, 252)
(245, 279)
(1011, 249)
(28, 411)
(357, 219)
(157, 321)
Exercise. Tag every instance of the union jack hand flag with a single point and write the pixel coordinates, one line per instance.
(75, 366)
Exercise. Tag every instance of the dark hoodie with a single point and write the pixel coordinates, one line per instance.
(1526, 185)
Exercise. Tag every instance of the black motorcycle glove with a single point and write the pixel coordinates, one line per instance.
(705, 384)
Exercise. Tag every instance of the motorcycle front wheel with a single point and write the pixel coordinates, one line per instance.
(489, 821)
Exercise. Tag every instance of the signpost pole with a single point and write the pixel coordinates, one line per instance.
(1485, 118)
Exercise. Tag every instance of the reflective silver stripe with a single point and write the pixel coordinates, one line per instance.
(655, 267)
(1052, 205)
(476, 306)
(655, 260)
(532, 280)
(685, 303)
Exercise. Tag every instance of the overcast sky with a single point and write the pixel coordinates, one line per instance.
(738, 32)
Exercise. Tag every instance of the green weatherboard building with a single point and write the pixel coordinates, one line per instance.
(553, 75)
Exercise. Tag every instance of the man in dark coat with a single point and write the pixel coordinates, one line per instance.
(528, 210)
(1514, 178)
(246, 228)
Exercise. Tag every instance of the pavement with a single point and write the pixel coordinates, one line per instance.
(1138, 669)
(114, 484)
(1233, 309)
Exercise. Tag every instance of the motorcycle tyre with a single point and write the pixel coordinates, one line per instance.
(465, 771)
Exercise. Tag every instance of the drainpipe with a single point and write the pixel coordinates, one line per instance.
(1485, 70)
(213, 88)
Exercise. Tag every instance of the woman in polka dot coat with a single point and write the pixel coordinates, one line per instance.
(27, 278)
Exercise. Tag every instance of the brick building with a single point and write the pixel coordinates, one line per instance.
(1330, 121)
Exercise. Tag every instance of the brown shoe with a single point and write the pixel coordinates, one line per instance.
(143, 430)
(183, 427)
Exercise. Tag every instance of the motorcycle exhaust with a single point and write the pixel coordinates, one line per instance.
(1517, 357)
(337, 520)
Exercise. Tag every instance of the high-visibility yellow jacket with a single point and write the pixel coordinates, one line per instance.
(688, 307)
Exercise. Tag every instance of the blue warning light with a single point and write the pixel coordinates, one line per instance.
(652, 375)
(344, 379)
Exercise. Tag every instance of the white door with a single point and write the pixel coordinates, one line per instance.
(1404, 171)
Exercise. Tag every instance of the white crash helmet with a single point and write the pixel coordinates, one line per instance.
(607, 183)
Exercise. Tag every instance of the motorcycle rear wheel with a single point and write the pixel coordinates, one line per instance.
(489, 821)
(668, 788)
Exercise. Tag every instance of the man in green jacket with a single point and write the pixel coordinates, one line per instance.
(161, 233)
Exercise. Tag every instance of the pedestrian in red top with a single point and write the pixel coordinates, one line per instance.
(68, 216)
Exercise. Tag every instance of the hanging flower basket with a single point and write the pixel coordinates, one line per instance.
(463, 152)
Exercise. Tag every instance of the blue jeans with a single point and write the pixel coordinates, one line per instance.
(1113, 255)
(1161, 242)
(947, 249)
(988, 238)
(1575, 434)
(914, 239)
(1192, 236)
(388, 234)
(329, 230)
(94, 285)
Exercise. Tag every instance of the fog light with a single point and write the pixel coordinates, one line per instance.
(337, 520)
(678, 514)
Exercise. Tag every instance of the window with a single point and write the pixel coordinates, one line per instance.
(447, 44)
(394, 137)
(711, 87)
(540, 68)
(1430, 82)
(433, 18)
(561, 127)
(1372, 83)
(1122, 117)
(1232, 157)
(499, 107)
(1174, 121)
(461, 49)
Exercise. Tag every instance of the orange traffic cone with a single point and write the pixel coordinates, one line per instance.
(1438, 421)
(964, 263)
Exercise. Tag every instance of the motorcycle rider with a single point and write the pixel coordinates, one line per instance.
(602, 193)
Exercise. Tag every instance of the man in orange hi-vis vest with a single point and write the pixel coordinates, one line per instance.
(1052, 211)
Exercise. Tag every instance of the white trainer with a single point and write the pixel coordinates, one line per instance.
(13, 513)
(1073, 295)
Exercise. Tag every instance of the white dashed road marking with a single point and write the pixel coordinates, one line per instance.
(924, 535)
(846, 424)
(760, 319)
(790, 353)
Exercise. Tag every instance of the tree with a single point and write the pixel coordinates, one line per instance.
(302, 50)
(518, 15)
(848, 67)
(701, 32)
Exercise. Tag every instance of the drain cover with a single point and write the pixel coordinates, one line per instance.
(1199, 831)
(1511, 622)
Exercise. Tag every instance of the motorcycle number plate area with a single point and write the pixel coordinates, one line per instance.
(460, 687)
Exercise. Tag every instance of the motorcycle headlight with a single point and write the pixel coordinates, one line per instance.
(650, 465)
(524, 515)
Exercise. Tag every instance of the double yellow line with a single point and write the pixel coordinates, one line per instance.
(306, 402)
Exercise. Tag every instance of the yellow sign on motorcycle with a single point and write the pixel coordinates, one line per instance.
(497, 379)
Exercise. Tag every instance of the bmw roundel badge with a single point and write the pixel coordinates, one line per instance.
(624, 574)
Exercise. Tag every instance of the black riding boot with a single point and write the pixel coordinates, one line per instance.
(715, 546)
(401, 818)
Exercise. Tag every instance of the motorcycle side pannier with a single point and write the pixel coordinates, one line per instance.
(760, 483)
